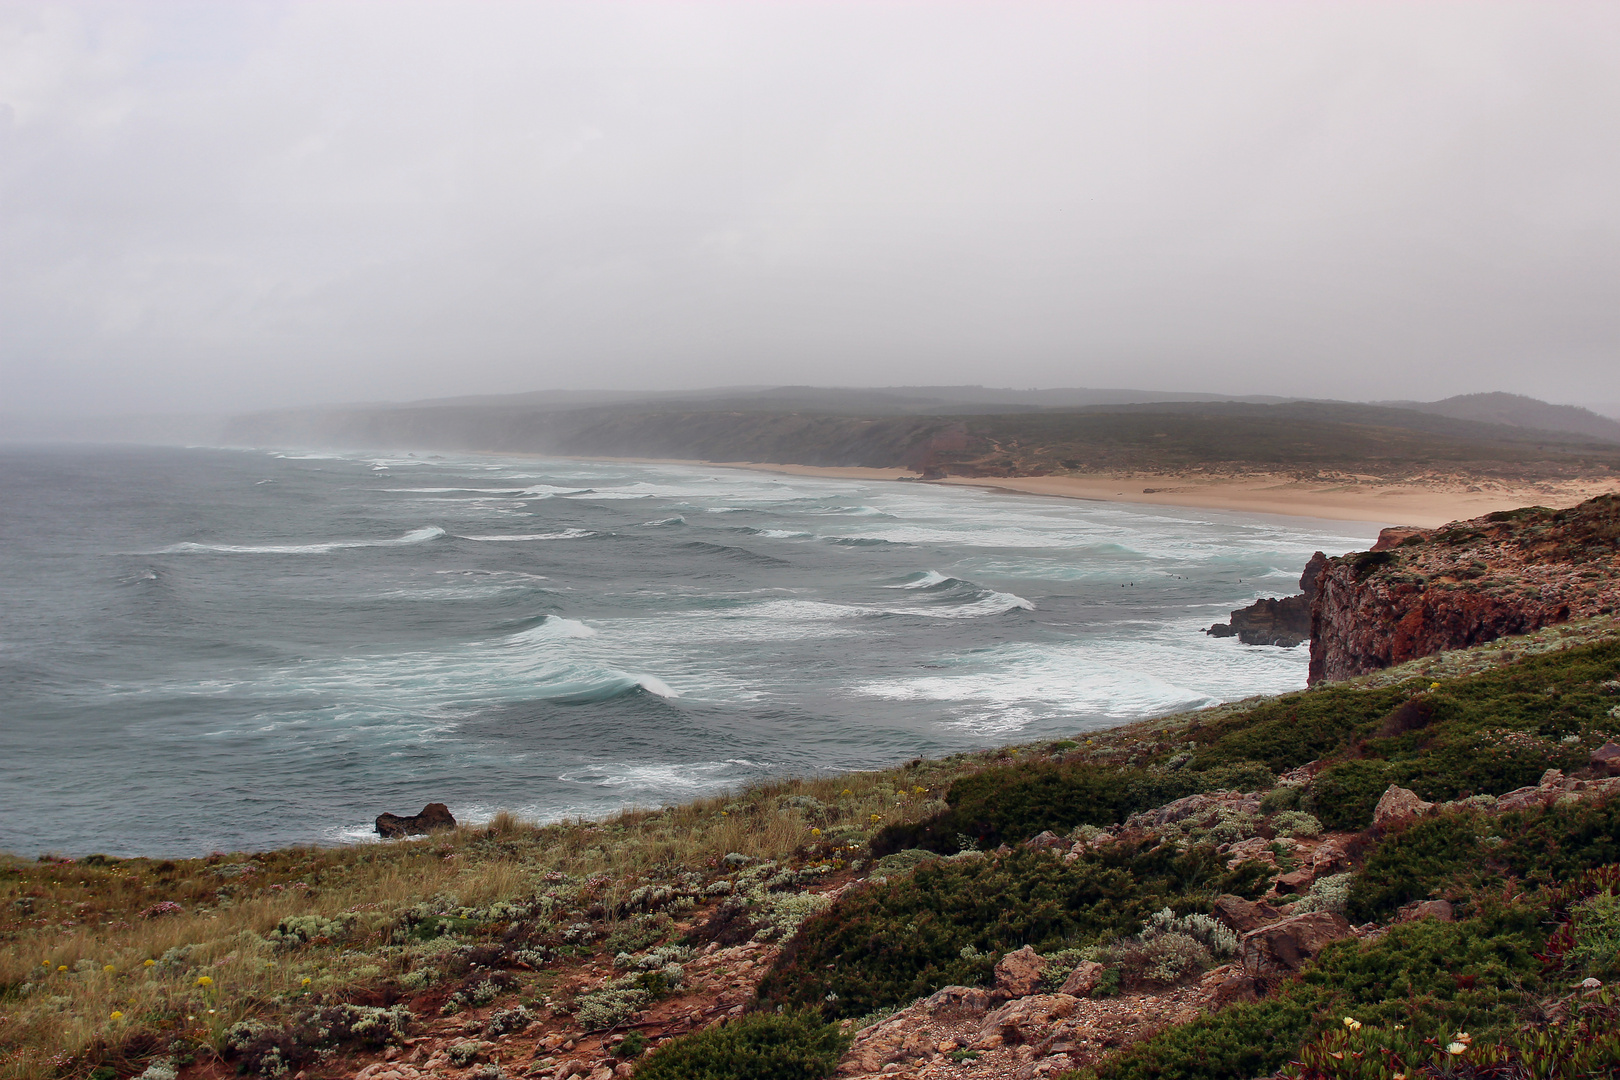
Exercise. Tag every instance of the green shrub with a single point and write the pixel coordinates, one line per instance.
(1473, 975)
(792, 1045)
(1292, 730)
(1296, 823)
(1280, 798)
(1446, 854)
(953, 918)
(1010, 803)
(631, 1047)
(1343, 796)
(1597, 935)
(637, 933)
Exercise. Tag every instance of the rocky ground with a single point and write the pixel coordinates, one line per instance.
(1031, 1023)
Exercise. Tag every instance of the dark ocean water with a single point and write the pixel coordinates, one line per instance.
(206, 649)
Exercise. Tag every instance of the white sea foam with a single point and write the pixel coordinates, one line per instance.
(552, 628)
(921, 580)
(565, 534)
(684, 777)
(415, 536)
(995, 603)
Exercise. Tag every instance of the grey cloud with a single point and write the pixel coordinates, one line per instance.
(228, 206)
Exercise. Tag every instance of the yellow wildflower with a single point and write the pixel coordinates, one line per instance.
(204, 981)
(109, 969)
(875, 817)
(815, 832)
(149, 963)
(117, 1015)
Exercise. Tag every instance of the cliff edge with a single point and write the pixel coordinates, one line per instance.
(1421, 591)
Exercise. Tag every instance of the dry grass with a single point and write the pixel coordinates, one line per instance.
(77, 949)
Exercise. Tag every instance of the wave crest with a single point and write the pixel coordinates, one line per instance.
(415, 536)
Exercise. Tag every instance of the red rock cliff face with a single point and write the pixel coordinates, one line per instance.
(1422, 591)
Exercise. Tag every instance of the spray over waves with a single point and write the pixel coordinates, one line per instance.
(498, 538)
(415, 536)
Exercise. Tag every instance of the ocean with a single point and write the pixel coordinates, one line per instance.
(223, 649)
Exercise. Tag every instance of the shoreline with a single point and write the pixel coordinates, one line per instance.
(1425, 504)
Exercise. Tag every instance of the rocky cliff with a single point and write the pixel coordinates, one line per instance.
(1422, 591)
(1285, 621)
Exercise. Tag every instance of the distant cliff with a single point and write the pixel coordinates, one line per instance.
(1421, 591)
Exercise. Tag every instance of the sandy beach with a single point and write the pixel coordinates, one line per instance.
(1425, 504)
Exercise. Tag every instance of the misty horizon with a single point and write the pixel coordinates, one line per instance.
(226, 208)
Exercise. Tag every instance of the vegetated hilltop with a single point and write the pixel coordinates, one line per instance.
(1413, 872)
(1520, 411)
(1304, 439)
(1421, 591)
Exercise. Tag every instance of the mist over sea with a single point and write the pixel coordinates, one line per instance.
(208, 649)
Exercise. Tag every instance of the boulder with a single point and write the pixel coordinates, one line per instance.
(1398, 808)
(1083, 979)
(1018, 974)
(1226, 985)
(899, 1038)
(1331, 856)
(1427, 909)
(434, 816)
(1284, 946)
(1296, 881)
(1047, 840)
(1245, 915)
(1027, 1019)
(955, 1001)
(1605, 760)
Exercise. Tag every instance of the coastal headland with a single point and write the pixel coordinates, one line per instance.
(1419, 465)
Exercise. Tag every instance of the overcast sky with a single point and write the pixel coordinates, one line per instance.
(221, 205)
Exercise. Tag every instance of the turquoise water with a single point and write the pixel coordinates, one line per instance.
(208, 649)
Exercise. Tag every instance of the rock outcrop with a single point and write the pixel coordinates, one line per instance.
(1018, 974)
(1283, 947)
(1397, 808)
(434, 816)
(1285, 622)
(1422, 591)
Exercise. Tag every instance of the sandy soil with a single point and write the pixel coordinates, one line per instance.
(1360, 498)
(1425, 504)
